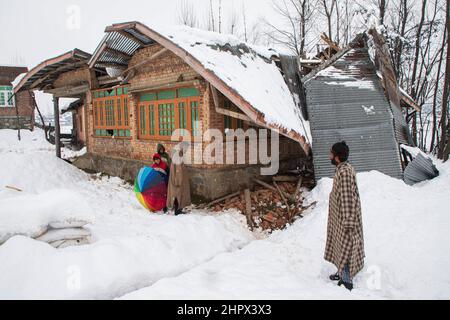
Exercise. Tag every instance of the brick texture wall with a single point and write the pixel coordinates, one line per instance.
(166, 69)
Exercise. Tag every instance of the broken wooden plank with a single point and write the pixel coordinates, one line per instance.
(285, 178)
(13, 188)
(297, 189)
(284, 199)
(248, 208)
(268, 186)
(232, 195)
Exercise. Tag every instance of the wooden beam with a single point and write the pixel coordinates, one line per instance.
(223, 111)
(97, 55)
(233, 114)
(285, 179)
(235, 194)
(56, 71)
(118, 53)
(57, 128)
(131, 37)
(248, 208)
(111, 65)
(163, 86)
(68, 91)
(330, 43)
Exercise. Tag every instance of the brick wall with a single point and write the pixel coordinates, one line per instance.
(169, 69)
(8, 116)
(73, 78)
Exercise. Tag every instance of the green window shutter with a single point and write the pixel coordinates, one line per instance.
(148, 97)
(142, 124)
(194, 117)
(227, 122)
(166, 95)
(125, 111)
(188, 92)
(182, 113)
(119, 113)
(2, 99)
(125, 90)
(151, 113)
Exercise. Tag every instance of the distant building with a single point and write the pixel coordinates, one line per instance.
(16, 111)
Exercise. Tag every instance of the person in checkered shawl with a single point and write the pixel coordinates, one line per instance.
(345, 238)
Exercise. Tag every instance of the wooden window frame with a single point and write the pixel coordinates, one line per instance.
(152, 130)
(7, 93)
(113, 116)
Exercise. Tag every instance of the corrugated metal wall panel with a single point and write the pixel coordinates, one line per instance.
(348, 103)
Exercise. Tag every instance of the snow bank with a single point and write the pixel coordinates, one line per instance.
(30, 215)
(407, 241)
(112, 267)
(30, 141)
(130, 249)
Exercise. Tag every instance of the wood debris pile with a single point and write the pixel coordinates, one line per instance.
(269, 206)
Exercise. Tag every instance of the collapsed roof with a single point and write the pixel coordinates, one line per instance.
(244, 74)
(43, 75)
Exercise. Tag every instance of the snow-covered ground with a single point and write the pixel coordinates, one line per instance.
(136, 255)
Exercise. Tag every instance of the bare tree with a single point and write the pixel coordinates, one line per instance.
(233, 21)
(187, 15)
(244, 18)
(211, 17)
(445, 95)
(297, 18)
(328, 7)
(382, 5)
(435, 95)
(220, 16)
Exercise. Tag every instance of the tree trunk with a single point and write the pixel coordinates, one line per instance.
(446, 91)
(382, 11)
(436, 89)
(415, 64)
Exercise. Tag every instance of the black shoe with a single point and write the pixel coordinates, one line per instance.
(335, 277)
(165, 210)
(348, 286)
(178, 212)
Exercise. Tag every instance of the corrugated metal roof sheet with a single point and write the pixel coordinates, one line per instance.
(345, 101)
(420, 169)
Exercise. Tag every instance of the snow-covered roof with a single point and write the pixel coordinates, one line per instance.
(17, 80)
(243, 73)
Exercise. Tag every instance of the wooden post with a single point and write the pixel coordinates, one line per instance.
(248, 208)
(57, 128)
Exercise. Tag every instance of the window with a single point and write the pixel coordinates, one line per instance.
(161, 113)
(230, 122)
(6, 97)
(111, 116)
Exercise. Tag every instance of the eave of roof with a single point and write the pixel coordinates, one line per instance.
(143, 36)
(54, 67)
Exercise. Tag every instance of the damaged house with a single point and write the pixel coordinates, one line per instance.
(355, 97)
(141, 84)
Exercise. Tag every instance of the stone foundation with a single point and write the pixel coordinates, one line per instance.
(206, 184)
(10, 122)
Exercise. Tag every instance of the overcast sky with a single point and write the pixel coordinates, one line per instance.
(38, 30)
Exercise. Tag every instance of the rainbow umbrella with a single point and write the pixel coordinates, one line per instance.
(150, 187)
